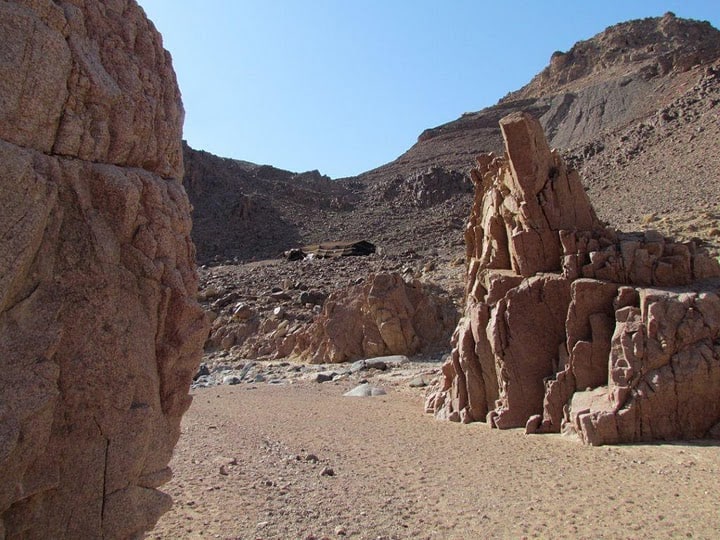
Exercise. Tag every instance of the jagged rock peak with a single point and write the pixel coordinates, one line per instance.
(656, 45)
(571, 326)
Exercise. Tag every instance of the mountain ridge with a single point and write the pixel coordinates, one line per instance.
(590, 100)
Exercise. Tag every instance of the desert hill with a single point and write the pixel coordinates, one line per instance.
(254, 211)
(634, 108)
(626, 73)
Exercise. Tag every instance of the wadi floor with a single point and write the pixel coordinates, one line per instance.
(245, 468)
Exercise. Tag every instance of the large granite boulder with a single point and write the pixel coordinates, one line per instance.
(100, 333)
(383, 316)
(570, 325)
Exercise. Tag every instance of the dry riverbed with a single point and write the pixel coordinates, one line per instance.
(300, 460)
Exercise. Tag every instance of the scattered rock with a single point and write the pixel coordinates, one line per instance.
(203, 371)
(316, 298)
(246, 369)
(243, 312)
(324, 376)
(394, 360)
(372, 363)
(327, 471)
(357, 366)
(533, 424)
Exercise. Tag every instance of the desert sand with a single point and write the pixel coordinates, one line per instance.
(244, 468)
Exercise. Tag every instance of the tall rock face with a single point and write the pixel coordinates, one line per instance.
(570, 325)
(100, 333)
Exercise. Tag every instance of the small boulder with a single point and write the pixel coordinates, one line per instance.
(324, 376)
(203, 371)
(365, 390)
(315, 298)
(242, 312)
(418, 382)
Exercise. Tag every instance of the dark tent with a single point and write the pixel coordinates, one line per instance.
(327, 250)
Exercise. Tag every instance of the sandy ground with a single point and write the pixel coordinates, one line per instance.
(245, 467)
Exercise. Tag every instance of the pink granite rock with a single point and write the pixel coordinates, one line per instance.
(564, 326)
(100, 333)
(383, 316)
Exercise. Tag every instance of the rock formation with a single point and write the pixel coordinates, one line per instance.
(100, 333)
(570, 325)
(384, 316)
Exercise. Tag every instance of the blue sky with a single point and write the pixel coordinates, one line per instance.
(344, 86)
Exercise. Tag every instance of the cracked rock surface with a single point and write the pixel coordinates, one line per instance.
(571, 326)
(100, 333)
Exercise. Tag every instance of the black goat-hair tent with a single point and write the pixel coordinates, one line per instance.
(326, 250)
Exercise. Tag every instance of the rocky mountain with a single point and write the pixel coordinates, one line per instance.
(622, 75)
(634, 109)
(243, 210)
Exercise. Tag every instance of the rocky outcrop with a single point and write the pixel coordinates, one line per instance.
(664, 371)
(653, 46)
(570, 325)
(425, 189)
(100, 333)
(384, 316)
(259, 310)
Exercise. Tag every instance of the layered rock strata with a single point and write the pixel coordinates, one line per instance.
(384, 316)
(100, 333)
(570, 325)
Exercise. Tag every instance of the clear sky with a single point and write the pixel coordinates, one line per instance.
(344, 86)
